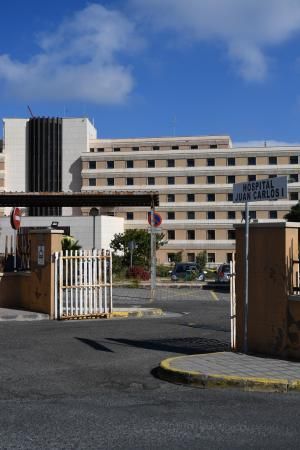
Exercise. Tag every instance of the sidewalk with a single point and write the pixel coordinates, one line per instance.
(232, 370)
(20, 315)
(7, 314)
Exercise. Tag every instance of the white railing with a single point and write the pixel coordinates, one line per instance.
(232, 303)
(83, 284)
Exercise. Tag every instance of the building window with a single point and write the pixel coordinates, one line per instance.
(151, 163)
(231, 235)
(251, 177)
(171, 198)
(230, 215)
(190, 180)
(129, 215)
(190, 215)
(171, 180)
(171, 235)
(116, 149)
(110, 164)
(231, 179)
(293, 178)
(171, 215)
(110, 181)
(273, 160)
(191, 257)
(272, 214)
(211, 235)
(92, 150)
(211, 197)
(129, 164)
(293, 195)
(211, 257)
(251, 161)
(190, 197)
(210, 162)
(230, 161)
(252, 215)
(171, 257)
(100, 150)
(171, 163)
(155, 147)
(190, 163)
(92, 164)
(228, 257)
(211, 215)
(194, 147)
(151, 181)
(129, 181)
(175, 147)
(190, 235)
(92, 181)
(230, 197)
(272, 176)
(135, 149)
(210, 179)
(213, 146)
(293, 159)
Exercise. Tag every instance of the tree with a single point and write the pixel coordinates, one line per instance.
(201, 260)
(69, 243)
(142, 246)
(294, 214)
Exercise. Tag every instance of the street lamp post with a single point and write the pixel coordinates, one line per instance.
(94, 212)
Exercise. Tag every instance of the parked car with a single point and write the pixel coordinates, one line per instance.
(223, 273)
(187, 272)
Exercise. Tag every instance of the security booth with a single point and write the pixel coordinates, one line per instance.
(63, 285)
(273, 316)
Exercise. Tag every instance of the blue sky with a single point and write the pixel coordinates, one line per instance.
(156, 67)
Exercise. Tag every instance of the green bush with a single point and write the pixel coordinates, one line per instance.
(163, 271)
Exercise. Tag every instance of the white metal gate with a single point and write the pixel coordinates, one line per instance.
(83, 284)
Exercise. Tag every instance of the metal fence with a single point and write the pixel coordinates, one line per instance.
(83, 284)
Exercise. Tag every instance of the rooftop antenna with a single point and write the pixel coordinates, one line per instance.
(30, 111)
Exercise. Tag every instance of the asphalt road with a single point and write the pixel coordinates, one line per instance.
(90, 385)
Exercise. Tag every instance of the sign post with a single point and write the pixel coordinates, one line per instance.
(15, 222)
(261, 190)
(154, 220)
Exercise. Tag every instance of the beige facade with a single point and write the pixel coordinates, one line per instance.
(194, 177)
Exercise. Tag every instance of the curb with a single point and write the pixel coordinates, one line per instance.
(137, 313)
(202, 380)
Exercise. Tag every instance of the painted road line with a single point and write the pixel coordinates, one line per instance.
(214, 295)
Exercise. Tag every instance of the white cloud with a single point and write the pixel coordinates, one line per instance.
(247, 28)
(77, 61)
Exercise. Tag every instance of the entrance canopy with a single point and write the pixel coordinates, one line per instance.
(95, 198)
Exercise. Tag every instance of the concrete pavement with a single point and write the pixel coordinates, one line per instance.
(232, 370)
(22, 315)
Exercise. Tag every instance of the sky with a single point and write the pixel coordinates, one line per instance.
(150, 68)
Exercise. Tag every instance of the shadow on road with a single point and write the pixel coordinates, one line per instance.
(188, 346)
(94, 344)
(217, 287)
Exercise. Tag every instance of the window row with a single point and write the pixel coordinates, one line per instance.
(155, 147)
(210, 215)
(191, 257)
(190, 162)
(191, 235)
(210, 179)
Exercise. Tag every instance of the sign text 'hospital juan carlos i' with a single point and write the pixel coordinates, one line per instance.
(260, 190)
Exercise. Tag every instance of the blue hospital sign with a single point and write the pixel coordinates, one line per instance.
(260, 190)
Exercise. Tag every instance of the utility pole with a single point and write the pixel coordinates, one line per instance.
(153, 256)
